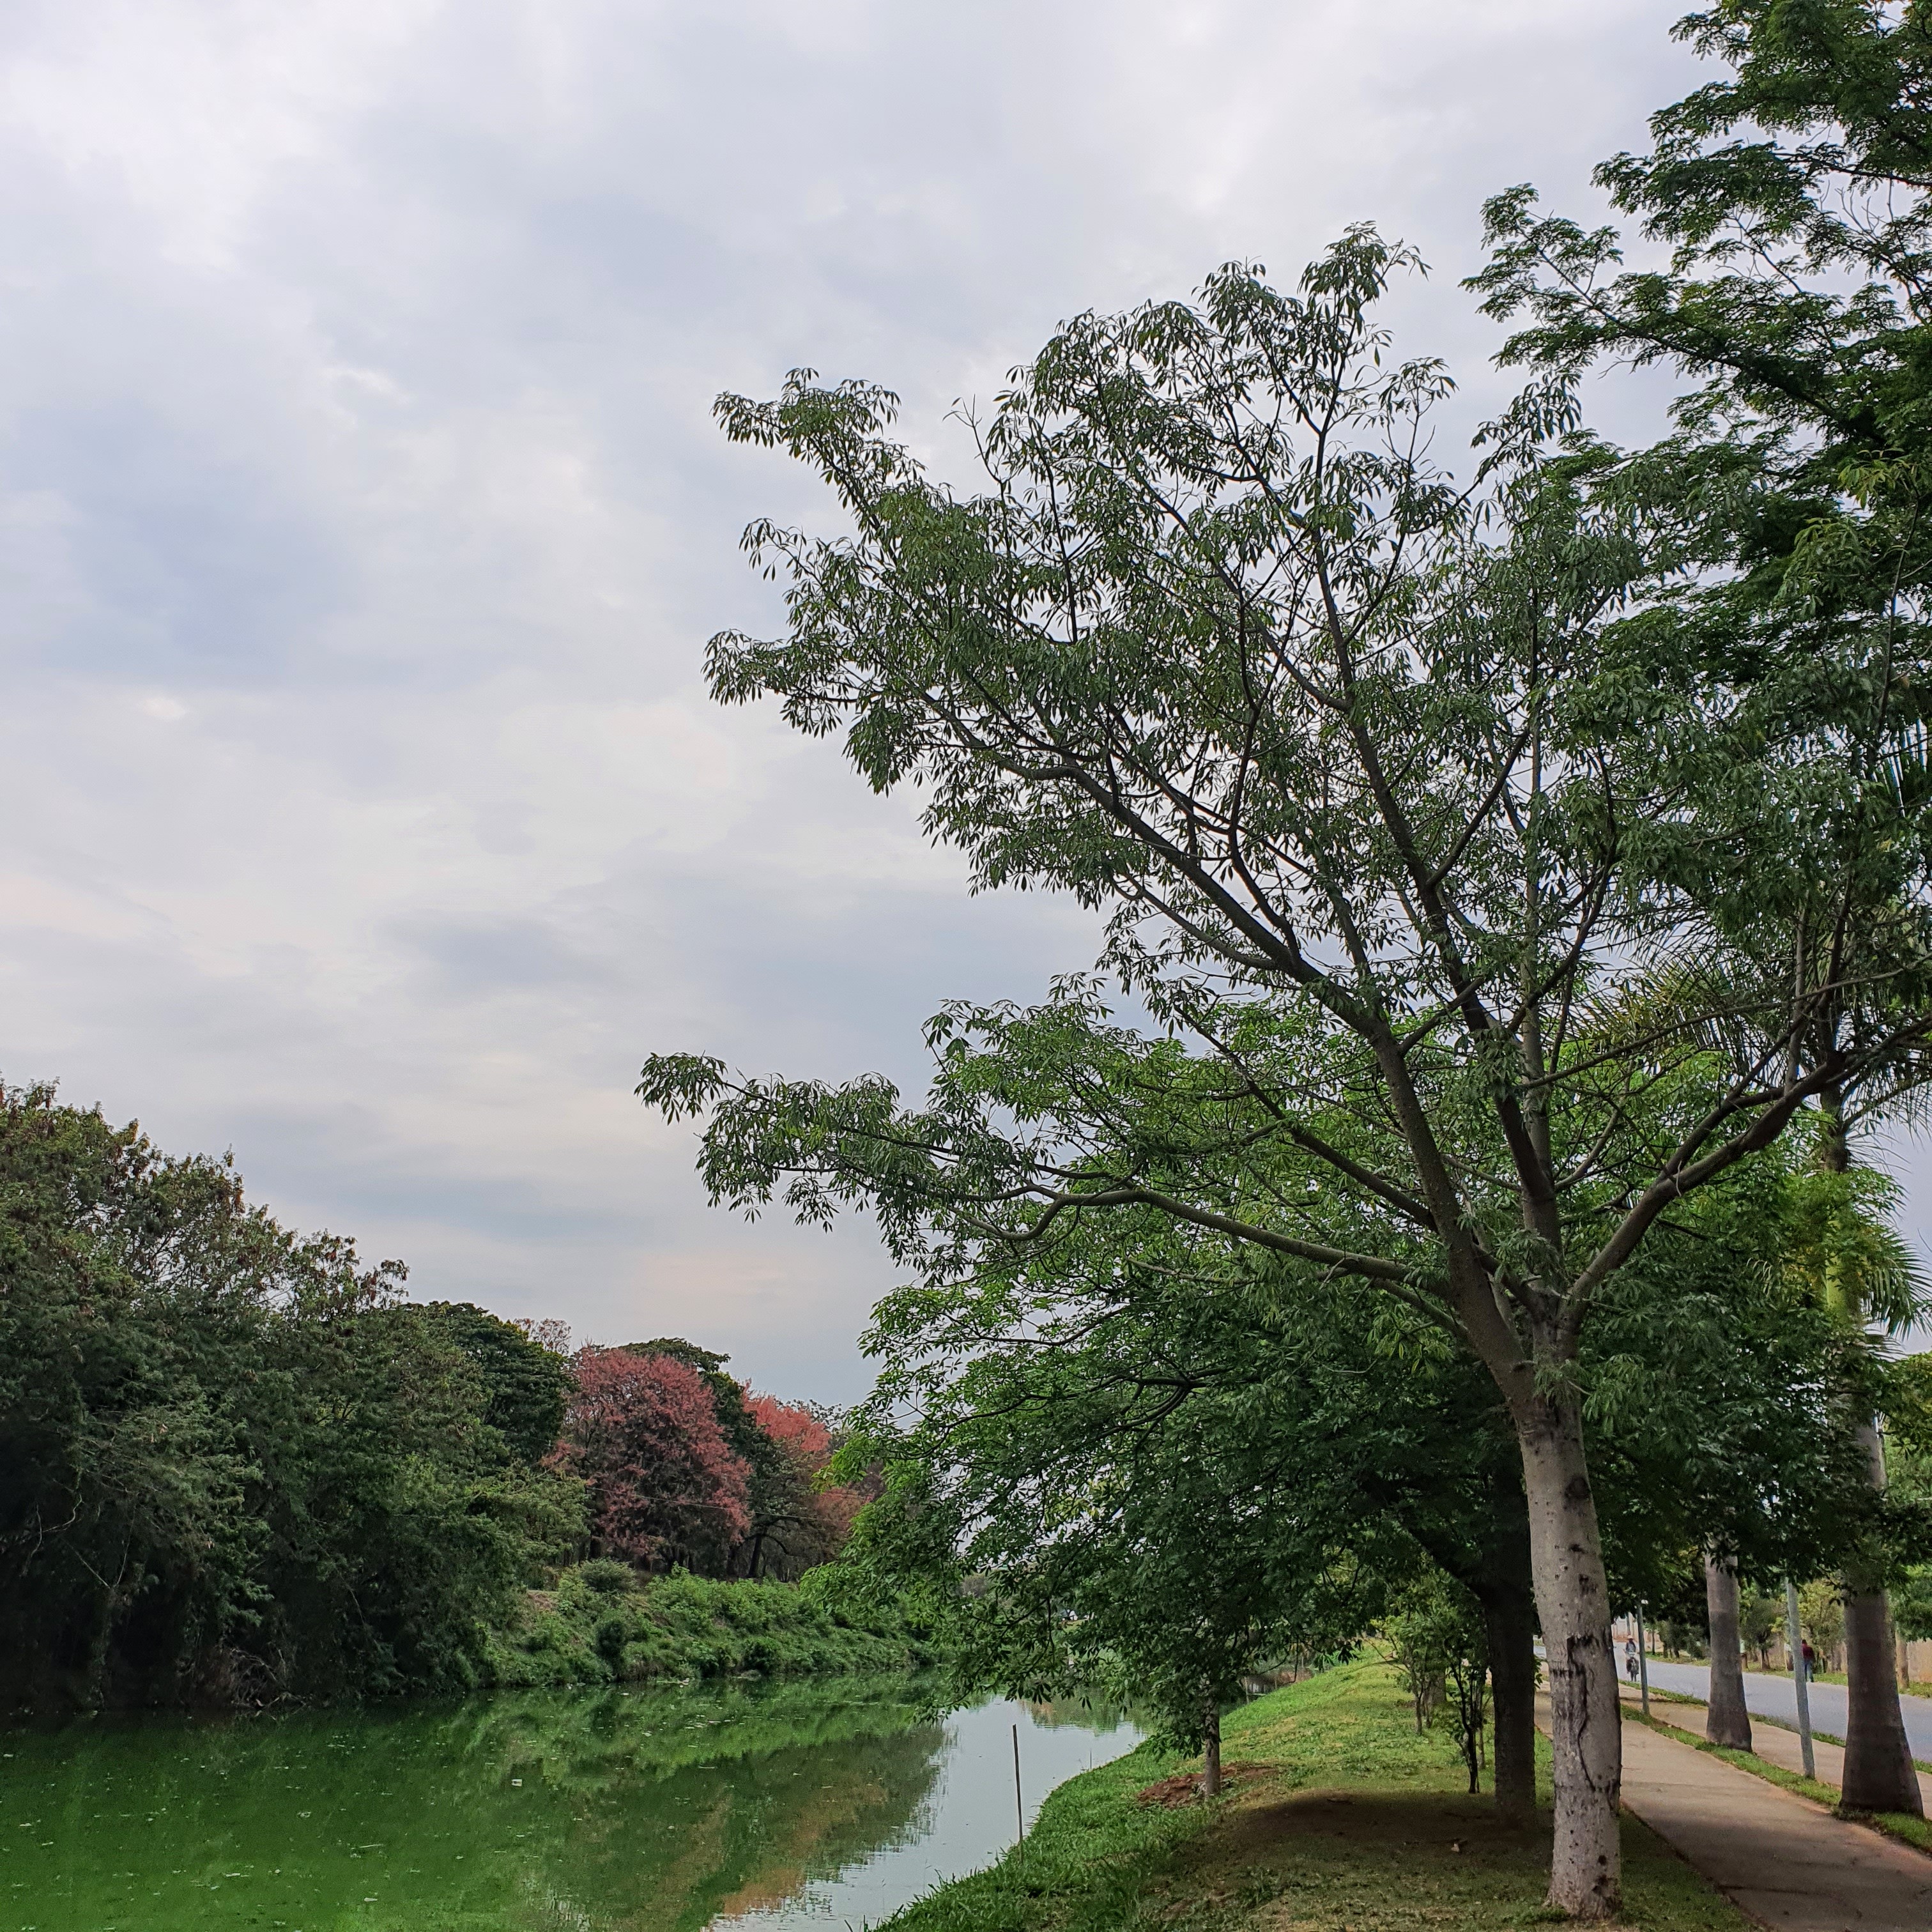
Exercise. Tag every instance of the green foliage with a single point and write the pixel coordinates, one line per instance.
(1170, 1468)
(1436, 1634)
(602, 1624)
(233, 1464)
(1841, 1248)
(1714, 1374)
(526, 1385)
(1821, 1615)
(1760, 1618)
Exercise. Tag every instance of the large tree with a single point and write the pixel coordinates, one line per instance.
(1386, 803)
(1786, 205)
(665, 1486)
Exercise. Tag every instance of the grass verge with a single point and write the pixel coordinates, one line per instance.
(1340, 1817)
(1900, 1825)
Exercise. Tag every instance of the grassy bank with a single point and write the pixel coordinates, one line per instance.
(601, 1626)
(1340, 1817)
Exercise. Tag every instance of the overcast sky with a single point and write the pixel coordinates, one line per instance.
(361, 524)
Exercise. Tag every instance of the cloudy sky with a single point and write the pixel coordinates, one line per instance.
(361, 523)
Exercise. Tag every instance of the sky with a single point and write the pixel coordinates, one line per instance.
(362, 522)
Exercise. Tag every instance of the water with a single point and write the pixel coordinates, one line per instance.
(766, 1809)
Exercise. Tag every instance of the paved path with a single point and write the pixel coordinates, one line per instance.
(1774, 1743)
(1787, 1862)
(1784, 1860)
(1772, 1697)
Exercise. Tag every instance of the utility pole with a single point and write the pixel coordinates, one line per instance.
(1799, 1676)
(1642, 1661)
(1019, 1804)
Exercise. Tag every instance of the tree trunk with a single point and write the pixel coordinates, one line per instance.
(1586, 1864)
(1510, 1626)
(1879, 1774)
(1210, 1748)
(1726, 1722)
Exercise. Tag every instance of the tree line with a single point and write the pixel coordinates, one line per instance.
(236, 1465)
(1524, 868)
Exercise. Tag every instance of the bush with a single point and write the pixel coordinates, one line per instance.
(604, 1623)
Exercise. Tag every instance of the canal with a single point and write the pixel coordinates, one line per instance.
(767, 1807)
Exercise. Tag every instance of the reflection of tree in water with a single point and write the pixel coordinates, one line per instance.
(800, 1816)
(642, 1808)
(1081, 1712)
(667, 1812)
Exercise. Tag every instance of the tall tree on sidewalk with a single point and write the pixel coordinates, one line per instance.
(1384, 799)
(1791, 205)
(1726, 1721)
(1843, 1246)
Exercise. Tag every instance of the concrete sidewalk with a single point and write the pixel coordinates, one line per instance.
(1785, 1860)
(1771, 1742)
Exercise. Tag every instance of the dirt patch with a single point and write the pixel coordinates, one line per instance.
(1184, 1787)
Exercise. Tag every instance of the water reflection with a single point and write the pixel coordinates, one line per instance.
(670, 1810)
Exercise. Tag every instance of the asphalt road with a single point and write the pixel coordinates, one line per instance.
(1769, 1697)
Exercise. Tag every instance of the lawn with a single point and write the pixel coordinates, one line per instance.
(1340, 1817)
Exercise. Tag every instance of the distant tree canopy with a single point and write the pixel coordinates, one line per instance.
(526, 1384)
(725, 1485)
(233, 1463)
(796, 1521)
(236, 1465)
(665, 1487)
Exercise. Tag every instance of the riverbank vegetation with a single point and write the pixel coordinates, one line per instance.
(602, 1624)
(237, 1466)
(1340, 1813)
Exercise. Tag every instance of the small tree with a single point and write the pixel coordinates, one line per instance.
(1821, 1610)
(1420, 1635)
(1437, 1636)
(1760, 1618)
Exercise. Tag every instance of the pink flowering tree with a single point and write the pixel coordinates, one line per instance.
(665, 1486)
(795, 1523)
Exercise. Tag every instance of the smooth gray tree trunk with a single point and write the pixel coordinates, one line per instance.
(1726, 1721)
(1586, 1739)
(1210, 1748)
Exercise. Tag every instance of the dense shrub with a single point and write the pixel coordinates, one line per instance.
(585, 1631)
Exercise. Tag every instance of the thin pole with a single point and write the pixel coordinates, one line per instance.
(1800, 1676)
(1642, 1661)
(1019, 1804)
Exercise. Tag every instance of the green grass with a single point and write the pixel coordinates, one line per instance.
(1900, 1825)
(1340, 1817)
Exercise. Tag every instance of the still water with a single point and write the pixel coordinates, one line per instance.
(756, 1809)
